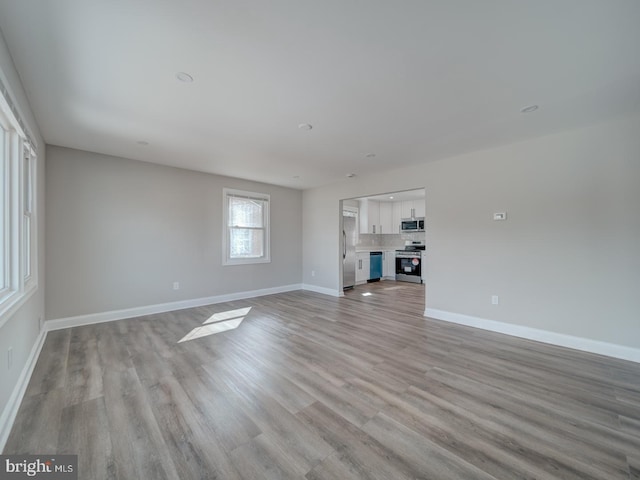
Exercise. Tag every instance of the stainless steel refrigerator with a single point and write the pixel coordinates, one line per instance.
(349, 238)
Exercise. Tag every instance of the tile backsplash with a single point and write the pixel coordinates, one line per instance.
(387, 240)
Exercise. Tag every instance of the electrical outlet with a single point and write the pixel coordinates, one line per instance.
(494, 300)
(176, 285)
(10, 358)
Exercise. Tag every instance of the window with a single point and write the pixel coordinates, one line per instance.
(246, 227)
(27, 211)
(4, 214)
(18, 262)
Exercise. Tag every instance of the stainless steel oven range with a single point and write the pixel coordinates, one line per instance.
(409, 264)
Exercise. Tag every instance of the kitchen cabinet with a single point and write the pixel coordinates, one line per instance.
(363, 216)
(397, 216)
(389, 264)
(386, 218)
(407, 208)
(373, 222)
(369, 216)
(413, 208)
(362, 267)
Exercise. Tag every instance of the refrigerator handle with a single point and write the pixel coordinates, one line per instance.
(344, 244)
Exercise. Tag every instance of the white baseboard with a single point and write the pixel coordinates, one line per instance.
(323, 290)
(11, 409)
(76, 321)
(544, 336)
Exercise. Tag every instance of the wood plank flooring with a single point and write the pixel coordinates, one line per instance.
(310, 386)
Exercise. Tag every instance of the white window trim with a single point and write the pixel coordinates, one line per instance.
(226, 260)
(31, 280)
(5, 217)
(19, 289)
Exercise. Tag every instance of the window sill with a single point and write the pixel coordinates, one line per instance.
(13, 303)
(245, 261)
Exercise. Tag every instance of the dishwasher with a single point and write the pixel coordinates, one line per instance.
(375, 270)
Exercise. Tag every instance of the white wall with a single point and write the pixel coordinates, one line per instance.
(120, 232)
(21, 330)
(567, 260)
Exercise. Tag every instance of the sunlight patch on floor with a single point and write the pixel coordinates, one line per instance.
(218, 323)
(229, 314)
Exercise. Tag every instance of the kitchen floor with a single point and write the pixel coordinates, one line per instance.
(403, 297)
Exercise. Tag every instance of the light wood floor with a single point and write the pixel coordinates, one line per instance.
(310, 386)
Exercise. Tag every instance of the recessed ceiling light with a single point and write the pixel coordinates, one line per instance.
(370, 155)
(529, 109)
(350, 175)
(184, 77)
(142, 143)
(391, 197)
(305, 126)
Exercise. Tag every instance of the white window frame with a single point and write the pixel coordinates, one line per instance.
(18, 218)
(28, 196)
(5, 216)
(228, 193)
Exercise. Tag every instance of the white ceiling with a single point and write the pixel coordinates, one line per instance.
(409, 80)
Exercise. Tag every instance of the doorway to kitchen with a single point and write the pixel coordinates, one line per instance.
(383, 240)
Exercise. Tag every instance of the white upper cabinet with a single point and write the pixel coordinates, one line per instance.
(386, 218)
(397, 216)
(407, 208)
(413, 208)
(369, 216)
(374, 217)
(363, 216)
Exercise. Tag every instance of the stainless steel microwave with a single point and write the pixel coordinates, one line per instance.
(409, 225)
